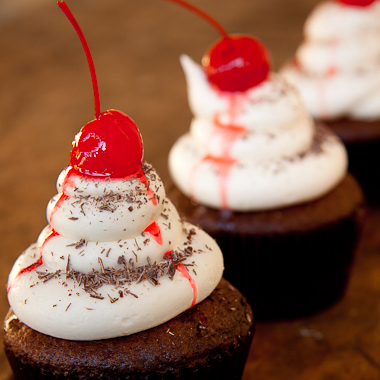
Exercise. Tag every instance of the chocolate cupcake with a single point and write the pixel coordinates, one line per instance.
(119, 300)
(270, 185)
(117, 286)
(211, 339)
(337, 72)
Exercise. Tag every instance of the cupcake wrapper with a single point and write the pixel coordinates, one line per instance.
(362, 141)
(363, 156)
(288, 262)
(292, 275)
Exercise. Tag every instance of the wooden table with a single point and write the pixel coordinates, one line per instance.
(46, 96)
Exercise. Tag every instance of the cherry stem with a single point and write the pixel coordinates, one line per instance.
(64, 7)
(202, 14)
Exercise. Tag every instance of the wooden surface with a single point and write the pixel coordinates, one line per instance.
(46, 96)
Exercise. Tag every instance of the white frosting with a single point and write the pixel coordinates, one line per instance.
(271, 162)
(337, 69)
(98, 222)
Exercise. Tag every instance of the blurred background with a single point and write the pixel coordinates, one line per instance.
(46, 97)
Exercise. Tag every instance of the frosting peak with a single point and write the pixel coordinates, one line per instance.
(114, 259)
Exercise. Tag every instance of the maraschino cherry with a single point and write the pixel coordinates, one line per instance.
(111, 144)
(234, 62)
(358, 3)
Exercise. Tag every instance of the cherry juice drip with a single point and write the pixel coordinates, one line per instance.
(154, 230)
(31, 267)
(68, 181)
(230, 133)
(36, 264)
(331, 71)
(152, 196)
(185, 273)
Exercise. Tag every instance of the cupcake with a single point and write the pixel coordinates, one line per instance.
(337, 72)
(117, 286)
(268, 183)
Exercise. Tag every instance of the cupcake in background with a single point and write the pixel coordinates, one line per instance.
(337, 72)
(259, 175)
(117, 286)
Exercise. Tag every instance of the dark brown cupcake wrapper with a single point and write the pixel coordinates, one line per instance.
(289, 276)
(363, 159)
(290, 262)
(362, 141)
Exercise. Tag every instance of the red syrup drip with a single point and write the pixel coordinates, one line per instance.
(330, 72)
(68, 181)
(35, 265)
(155, 231)
(322, 93)
(223, 166)
(185, 273)
(152, 196)
(31, 267)
(230, 133)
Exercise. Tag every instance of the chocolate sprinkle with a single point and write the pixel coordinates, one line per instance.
(129, 273)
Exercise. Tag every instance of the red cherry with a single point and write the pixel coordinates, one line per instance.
(111, 144)
(108, 146)
(358, 3)
(236, 63)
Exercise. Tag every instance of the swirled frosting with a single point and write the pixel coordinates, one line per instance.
(337, 66)
(253, 150)
(114, 259)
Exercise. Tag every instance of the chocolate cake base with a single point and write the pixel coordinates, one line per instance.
(289, 262)
(362, 140)
(209, 341)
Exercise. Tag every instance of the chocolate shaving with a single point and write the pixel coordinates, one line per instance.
(78, 244)
(46, 276)
(126, 273)
(112, 300)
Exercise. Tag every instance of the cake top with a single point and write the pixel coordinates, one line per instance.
(115, 257)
